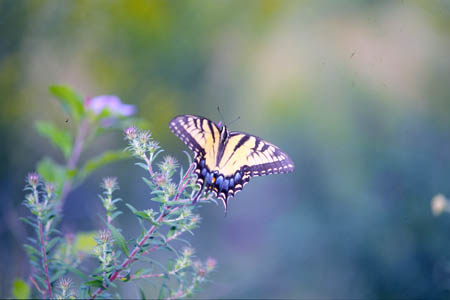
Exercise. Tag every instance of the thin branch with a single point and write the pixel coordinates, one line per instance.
(184, 182)
(166, 212)
(44, 259)
(73, 160)
(141, 243)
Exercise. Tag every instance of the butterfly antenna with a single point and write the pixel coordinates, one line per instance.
(221, 116)
(237, 119)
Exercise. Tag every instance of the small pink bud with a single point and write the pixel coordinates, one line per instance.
(131, 132)
(160, 179)
(33, 179)
(110, 183)
(65, 283)
(211, 264)
(105, 236)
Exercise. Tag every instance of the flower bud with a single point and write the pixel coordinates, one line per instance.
(33, 179)
(110, 184)
(131, 133)
(210, 264)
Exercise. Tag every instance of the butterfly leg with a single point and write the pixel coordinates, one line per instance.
(197, 196)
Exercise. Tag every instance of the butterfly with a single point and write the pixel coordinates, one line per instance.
(226, 160)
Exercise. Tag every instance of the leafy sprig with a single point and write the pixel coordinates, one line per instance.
(54, 256)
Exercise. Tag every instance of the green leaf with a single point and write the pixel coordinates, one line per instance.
(77, 272)
(119, 239)
(72, 102)
(94, 283)
(58, 275)
(59, 137)
(141, 293)
(142, 215)
(31, 250)
(149, 183)
(85, 242)
(161, 291)
(171, 232)
(20, 290)
(134, 210)
(53, 243)
(52, 172)
(101, 160)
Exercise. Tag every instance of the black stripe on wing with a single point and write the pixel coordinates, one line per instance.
(180, 126)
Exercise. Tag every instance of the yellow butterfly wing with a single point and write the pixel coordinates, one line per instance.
(200, 134)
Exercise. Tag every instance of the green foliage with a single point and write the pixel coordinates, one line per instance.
(119, 239)
(97, 162)
(54, 256)
(52, 172)
(60, 138)
(20, 290)
(71, 101)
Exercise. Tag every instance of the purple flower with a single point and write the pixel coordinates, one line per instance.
(112, 104)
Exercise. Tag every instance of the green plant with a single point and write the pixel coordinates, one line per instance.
(56, 259)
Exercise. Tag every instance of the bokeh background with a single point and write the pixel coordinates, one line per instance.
(356, 92)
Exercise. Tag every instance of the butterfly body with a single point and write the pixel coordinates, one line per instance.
(225, 161)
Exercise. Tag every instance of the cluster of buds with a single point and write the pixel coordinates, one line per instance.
(103, 250)
(202, 269)
(184, 260)
(40, 196)
(33, 180)
(168, 165)
(140, 143)
(193, 222)
(110, 185)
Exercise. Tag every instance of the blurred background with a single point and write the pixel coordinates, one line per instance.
(356, 92)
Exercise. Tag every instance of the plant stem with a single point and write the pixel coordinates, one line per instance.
(73, 160)
(141, 243)
(44, 259)
(183, 182)
(166, 212)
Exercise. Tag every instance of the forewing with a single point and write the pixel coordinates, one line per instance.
(200, 134)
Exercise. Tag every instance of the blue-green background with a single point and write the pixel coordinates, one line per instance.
(356, 92)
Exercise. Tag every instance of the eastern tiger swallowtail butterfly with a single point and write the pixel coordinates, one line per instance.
(224, 160)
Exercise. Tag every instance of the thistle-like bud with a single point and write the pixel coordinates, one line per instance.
(152, 146)
(33, 179)
(49, 189)
(170, 189)
(160, 179)
(144, 137)
(131, 133)
(187, 252)
(168, 165)
(110, 184)
(210, 264)
(104, 236)
(65, 283)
